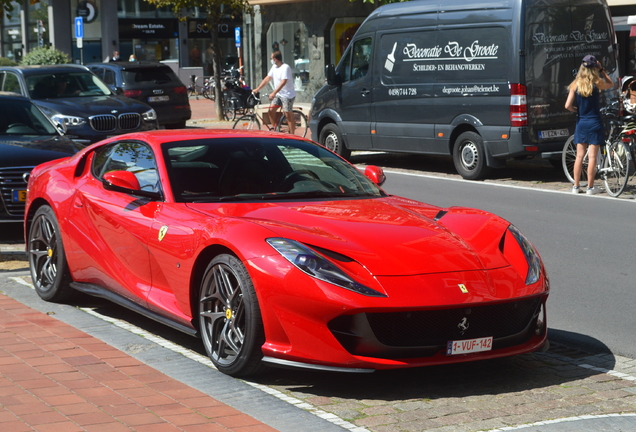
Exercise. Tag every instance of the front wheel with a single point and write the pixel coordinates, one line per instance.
(47, 260)
(469, 156)
(331, 138)
(247, 122)
(568, 158)
(616, 168)
(230, 318)
(300, 121)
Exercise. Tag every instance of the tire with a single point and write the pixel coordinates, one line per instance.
(470, 157)
(247, 122)
(47, 260)
(567, 160)
(229, 317)
(331, 138)
(301, 124)
(616, 168)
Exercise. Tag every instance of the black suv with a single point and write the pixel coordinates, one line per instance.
(153, 83)
(27, 138)
(73, 96)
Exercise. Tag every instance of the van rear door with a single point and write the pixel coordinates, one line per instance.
(558, 35)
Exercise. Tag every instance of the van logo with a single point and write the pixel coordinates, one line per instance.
(390, 59)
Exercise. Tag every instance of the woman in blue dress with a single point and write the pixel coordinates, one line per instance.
(584, 100)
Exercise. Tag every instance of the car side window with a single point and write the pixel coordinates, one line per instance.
(360, 57)
(109, 77)
(11, 83)
(132, 156)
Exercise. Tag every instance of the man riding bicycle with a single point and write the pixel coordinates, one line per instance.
(283, 94)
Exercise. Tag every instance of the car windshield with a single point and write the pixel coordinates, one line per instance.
(21, 117)
(263, 169)
(154, 75)
(55, 85)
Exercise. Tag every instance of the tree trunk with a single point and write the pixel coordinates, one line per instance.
(216, 64)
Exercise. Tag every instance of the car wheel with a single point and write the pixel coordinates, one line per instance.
(229, 317)
(178, 125)
(470, 157)
(331, 138)
(47, 260)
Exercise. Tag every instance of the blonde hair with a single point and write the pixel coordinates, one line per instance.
(585, 80)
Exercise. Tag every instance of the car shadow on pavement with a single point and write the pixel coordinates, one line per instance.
(526, 372)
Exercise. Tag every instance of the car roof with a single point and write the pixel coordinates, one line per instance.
(38, 69)
(170, 135)
(131, 65)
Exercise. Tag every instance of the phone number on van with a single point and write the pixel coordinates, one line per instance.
(403, 91)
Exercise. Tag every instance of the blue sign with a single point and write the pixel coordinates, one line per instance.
(79, 27)
(237, 36)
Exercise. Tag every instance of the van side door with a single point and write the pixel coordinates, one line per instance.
(356, 94)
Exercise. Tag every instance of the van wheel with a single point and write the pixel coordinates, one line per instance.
(331, 138)
(470, 157)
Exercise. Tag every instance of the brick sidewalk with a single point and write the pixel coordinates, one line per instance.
(54, 377)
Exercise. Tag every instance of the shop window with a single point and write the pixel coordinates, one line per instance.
(290, 38)
(342, 32)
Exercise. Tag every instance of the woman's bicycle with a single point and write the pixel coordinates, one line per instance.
(613, 162)
(254, 121)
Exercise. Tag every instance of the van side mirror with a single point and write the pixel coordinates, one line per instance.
(330, 73)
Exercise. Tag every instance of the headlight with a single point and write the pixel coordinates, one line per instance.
(150, 115)
(531, 254)
(68, 121)
(317, 266)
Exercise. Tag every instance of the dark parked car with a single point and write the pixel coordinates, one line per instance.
(27, 138)
(75, 97)
(153, 83)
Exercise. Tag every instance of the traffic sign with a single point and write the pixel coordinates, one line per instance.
(79, 27)
(237, 36)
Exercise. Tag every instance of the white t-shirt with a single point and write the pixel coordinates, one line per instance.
(280, 73)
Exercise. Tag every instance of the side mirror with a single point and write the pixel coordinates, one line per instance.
(375, 174)
(122, 179)
(126, 182)
(330, 73)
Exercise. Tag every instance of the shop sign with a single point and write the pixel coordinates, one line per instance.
(199, 28)
(148, 28)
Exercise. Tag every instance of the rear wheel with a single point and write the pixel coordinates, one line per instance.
(616, 168)
(47, 260)
(569, 157)
(470, 157)
(301, 126)
(230, 318)
(247, 122)
(331, 138)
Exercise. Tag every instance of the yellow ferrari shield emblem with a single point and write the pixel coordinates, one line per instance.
(162, 232)
(463, 288)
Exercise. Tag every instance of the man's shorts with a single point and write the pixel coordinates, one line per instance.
(286, 103)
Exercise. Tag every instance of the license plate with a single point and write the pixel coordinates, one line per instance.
(468, 346)
(158, 98)
(554, 133)
(19, 195)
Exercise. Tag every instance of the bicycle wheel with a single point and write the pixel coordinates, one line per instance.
(569, 157)
(616, 168)
(247, 122)
(301, 124)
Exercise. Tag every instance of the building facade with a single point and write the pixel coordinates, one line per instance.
(309, 33)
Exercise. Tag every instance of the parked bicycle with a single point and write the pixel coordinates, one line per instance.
(613, 162)
(255, 121)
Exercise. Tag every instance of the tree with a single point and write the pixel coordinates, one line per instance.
(45, 56)
(215, 10)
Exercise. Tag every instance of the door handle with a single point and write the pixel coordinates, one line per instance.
(365, 92)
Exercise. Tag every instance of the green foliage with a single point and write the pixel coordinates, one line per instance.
(45, 56)
(7, 62)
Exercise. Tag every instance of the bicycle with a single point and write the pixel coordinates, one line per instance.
(613, 162)
(192, 88)
(253, 120)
